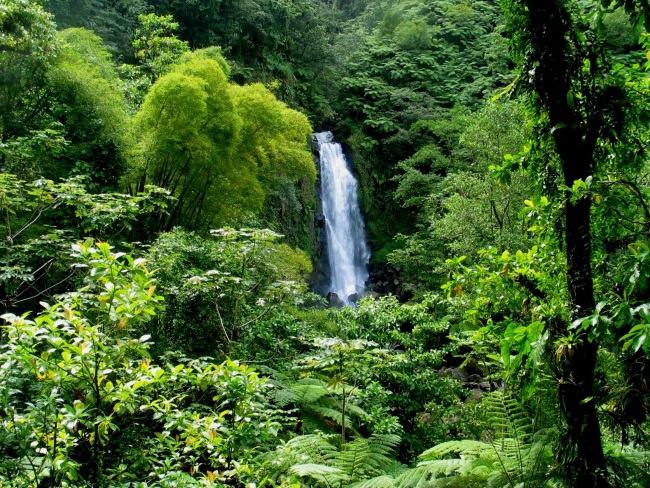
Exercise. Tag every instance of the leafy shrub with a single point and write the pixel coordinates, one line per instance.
(81, 402)
(218, 288)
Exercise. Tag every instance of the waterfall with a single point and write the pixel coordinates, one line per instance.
(347, 249)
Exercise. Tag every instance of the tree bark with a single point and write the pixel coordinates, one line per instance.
(554, 63)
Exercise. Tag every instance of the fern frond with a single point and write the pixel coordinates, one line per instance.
(314, 448)
(282, 383)
(363, 457)
(357, 459)
(306, 450)
(394, 469)
(277, 377)
(356, 410)
(464, 448)
(515, 456)
(320, 472)
(431, 474)
(331, 413)
(377, 482)
(507, 418)
(446, 467)
(313, 470)
(307, 392)
(630, 466)
(387, 442)
(284, 397)
(317, 457)
(314, 423)
(442, 472)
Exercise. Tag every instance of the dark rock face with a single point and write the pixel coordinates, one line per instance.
(334, 300)
(474, 382)
(457, 374)
(475, 395)
(354, 298)
(386, 279)
(320, 277)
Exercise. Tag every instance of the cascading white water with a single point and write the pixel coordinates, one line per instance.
(345, 235)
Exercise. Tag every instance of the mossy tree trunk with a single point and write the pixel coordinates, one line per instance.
(553, 60)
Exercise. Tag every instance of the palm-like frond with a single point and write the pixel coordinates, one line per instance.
(514, 456)
(383, 481)
(631, 467)
(465, 448)
(313, 448)
(365, 457)
(321, 460)
(432, 473)
(308, 390)
(321, 473)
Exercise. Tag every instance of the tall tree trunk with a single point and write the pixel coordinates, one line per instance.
(578, 366)
(554, 62)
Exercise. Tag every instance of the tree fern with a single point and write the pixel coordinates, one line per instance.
(629, 467)
(321, 473)
(301, 392)
(511, 426)
(384, 481)
(322, 460)
(432, 473)
(328, 413)
(306, 451)
(512, 455)
(308, 390)
(319, 404)
(365, 457)
(468, 448)
(317, 448)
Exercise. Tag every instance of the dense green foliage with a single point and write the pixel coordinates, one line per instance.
(409, 65)
(157, 201)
